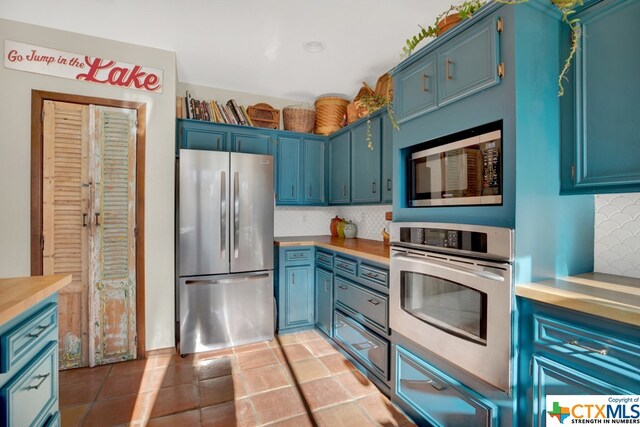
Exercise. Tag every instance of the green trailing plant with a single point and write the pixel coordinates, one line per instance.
(465, 10)
(373, 103)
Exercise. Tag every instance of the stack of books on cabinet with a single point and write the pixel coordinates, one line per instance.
(212, 111)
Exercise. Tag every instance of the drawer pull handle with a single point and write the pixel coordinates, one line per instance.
(42, 329)
(371, 275)
(374, 302)
(417, 385)
(368, 345)
(342, 265)
(343, 287)
(425, 88)
(340, 325)
(602, 351)
(42, 378)
(448, 63)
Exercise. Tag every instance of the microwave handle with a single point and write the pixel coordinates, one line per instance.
(458, 268)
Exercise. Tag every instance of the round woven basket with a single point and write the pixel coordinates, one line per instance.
(299, 118)
(330, 114)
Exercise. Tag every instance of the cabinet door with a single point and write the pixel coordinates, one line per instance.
(553, 378)
(601, 130)
(252, 143)
(314, 190)
(324, 300)
(387, 159)
(288, 171)
(469, 63)
(340, 168)
(365, 163)
(201, 136)
(298, 296)
(415, 89)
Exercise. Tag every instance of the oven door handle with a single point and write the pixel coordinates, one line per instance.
(457, 269)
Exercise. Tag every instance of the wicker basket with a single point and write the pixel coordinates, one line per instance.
(264, 116)
(299, 118)
(330, 114)
(384, 87)
(355, 110)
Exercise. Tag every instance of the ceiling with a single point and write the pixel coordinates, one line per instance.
(253, 46)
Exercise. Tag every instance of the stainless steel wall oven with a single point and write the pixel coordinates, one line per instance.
(451, 293)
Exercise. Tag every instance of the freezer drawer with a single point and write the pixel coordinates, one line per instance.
(226, 310)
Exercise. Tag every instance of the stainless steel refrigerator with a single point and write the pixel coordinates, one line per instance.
(225, 249)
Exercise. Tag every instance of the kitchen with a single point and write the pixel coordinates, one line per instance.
(554, 235)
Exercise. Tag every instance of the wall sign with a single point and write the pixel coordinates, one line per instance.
(42, 60)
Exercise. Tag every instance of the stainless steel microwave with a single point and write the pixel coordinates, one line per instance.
(452, 172)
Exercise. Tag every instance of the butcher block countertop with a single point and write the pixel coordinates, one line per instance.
(605, 295)
(373, 250)
(21, 293)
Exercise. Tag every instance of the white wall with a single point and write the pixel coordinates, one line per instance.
(314, 221)
(15, 143)
(617, 234)
(242, 98)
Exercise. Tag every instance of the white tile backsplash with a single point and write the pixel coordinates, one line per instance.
(616, 246)
(312, 220)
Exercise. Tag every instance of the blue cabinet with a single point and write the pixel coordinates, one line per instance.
(314, 167)
(365, 162)
(469, 63)
(195, 135)
(416, 89)
(324, 300)
(295, 288)
(340, 168)
(600, 126)
(566, 352)
(29, 366)
(387, 160)
(288, 171)
(252, 142)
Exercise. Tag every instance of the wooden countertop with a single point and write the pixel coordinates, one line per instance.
(21, 293)
(373, 250)
(605, 295)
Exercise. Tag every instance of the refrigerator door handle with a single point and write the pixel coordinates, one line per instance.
(236, 213)
(223, 214)
(225, 281)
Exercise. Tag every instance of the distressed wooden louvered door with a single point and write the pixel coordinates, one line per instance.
(65, 222)
(89, 219)
(112, 287)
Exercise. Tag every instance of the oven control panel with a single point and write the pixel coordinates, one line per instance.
(443, 238)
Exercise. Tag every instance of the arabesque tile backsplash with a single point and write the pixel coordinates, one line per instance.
(616, 246)
(310, 220)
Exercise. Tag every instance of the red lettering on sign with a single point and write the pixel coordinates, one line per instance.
(119, 76)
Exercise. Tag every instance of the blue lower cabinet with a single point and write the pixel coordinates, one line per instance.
(324, 301)
(29, 367)
(295, 288)
(437, 398)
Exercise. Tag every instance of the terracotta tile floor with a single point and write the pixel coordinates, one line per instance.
(296, 380)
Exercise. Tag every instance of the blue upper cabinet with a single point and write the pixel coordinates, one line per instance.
(314, 167)
(600, 126)
(288, 171)
(469, 63)
(416, 89)
(252, 143)
(365, 163)
(387, 159)
(339, 168)
(201, 136)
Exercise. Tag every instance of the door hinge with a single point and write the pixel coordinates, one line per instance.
(500, 25)
(42, 242)
(501, 70)
(573, 171)
(135, 341)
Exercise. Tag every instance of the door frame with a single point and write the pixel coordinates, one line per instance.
(37, 162)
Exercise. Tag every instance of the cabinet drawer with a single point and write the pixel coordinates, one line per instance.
(372, 306)
(28, 336)
(374, 275)
(370, 350)
(28, 398)
(324, 259)
(298, 255)
(578, 343)
(437, 397)
(347, 266)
